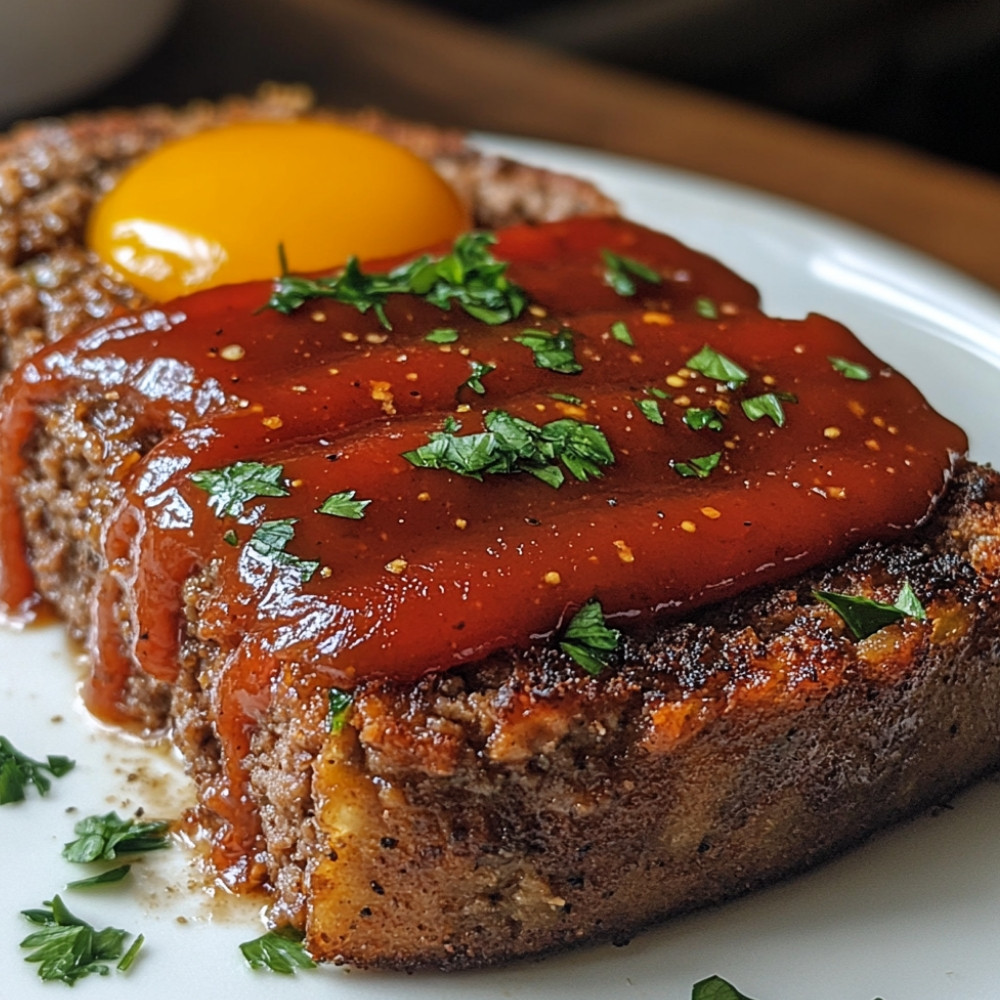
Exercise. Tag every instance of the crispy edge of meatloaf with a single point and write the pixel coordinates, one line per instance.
(520, 806)
(51, 174)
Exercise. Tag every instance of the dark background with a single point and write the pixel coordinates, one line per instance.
(923, 72)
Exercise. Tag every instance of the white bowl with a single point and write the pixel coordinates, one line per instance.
(52, 51)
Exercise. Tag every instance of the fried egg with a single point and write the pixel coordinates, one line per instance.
(214, 208)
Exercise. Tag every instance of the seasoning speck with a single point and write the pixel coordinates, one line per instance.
(624, 551)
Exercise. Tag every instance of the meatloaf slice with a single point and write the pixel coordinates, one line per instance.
(517, 805)
(520, 806)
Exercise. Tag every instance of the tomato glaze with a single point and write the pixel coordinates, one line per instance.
(444, 569)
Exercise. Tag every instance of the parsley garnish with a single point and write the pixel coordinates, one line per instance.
(562, 397)
(650, 409)
(232, 486)
(552, 351)
(104, 838)
(864, 617)
(620, 272)
(588, 640)
(474, 381)
(18, 771)
(443, 335)
(715, 988)
(706, 307)
(67, 948)
(338, 705)
(622, 334)
(766, 405)
(125, 963)
(697, 468)
(698, 418)
(710, 363)
(280, 951)
(850, 369)
(104, 878)
(270, 540)
(343, 504)
(510, 444)
(469, 276)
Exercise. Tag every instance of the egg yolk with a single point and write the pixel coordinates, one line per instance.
(214, 208)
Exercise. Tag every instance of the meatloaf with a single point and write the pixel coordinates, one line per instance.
(512, 803)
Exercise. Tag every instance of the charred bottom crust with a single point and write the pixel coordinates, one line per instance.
(520, 806)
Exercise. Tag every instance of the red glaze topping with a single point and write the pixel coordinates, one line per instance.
(442, 569)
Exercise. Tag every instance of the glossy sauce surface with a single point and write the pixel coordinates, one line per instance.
(443, 569)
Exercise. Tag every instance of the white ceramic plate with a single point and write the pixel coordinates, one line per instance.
(911, 915)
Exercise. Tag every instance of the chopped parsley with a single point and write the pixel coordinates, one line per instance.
(343, 504)
(108, 877)
(706, 307)
(280, 951)
(716, 988)
(697, 468)
(338, 705)
(552, 351)
(510, 444)
(443, 335)
(700, 418)
(17, 771)
(650, 409)
(865, 617)
(766, 405)
(620, 273)
(850, 369)
(710, 363)
(271, 538)
(104, 838)
(562, 397)
(66, 948)
(588, 640)
(622, 334)
(232, 486)
(468, 276)
(474, 381)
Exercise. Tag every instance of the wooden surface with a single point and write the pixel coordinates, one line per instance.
(358, 52)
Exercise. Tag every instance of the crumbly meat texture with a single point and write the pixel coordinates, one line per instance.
(520, 806)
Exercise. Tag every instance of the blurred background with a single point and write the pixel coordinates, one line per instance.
(924, 72)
